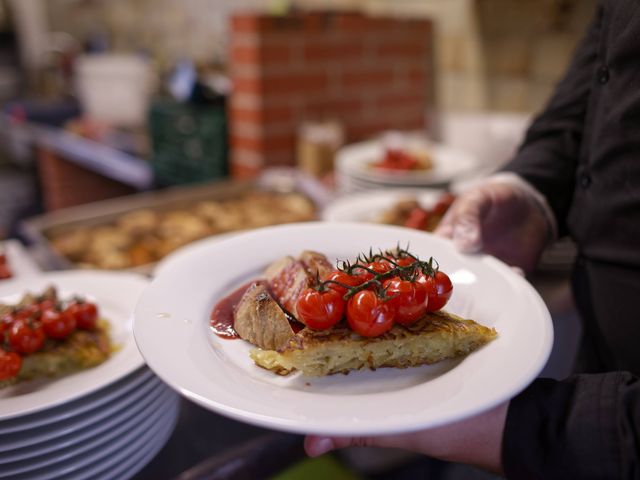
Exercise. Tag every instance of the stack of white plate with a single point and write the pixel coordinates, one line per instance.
(103, 423)
(354, 171)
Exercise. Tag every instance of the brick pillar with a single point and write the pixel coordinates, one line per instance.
(370, 73)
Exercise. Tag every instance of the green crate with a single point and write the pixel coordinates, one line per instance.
(190, 142)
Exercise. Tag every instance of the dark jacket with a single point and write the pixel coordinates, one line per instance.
(583, 154)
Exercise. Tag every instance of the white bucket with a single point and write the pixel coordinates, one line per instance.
(115, 89)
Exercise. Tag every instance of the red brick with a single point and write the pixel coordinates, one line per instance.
(245, 54)
(322, 51)
(363, 78)
(263, 143)
(246, 23)
(271, 54)
(416, 50)
(293, 83)
(242, 142)
(261, 115)
(351, 22)
(399, 101)
(247, 84)
(244, 171)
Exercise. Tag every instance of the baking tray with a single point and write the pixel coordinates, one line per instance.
(37, 230)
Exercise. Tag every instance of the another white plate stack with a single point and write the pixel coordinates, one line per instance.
(103, 423)
(354, 170)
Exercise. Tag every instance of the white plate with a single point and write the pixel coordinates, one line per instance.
(369, 206)
(110, 394)
(448, 164)
(150, 414)
(116, 294)
(43, 440)
(120, 450)
(172, 317)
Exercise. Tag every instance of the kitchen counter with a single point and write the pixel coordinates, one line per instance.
(22, 138)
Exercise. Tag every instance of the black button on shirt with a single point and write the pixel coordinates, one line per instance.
(603, 75)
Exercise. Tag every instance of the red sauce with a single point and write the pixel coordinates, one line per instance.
(222, 314)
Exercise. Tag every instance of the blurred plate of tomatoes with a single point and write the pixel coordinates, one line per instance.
(115, 293)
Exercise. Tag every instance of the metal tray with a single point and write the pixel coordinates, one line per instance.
(39, 229)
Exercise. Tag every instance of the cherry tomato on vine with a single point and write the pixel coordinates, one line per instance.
(404, 261)
(29, 312)
(409, 299)
(344, 278)
(320, 310)
(26, 337)
(379, 267)
(439, 289)
(368, 315)
(10, 364)
(56, 324)
(85, 314)
(46, 304)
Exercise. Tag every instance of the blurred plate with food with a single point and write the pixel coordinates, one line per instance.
(403, 160)
(421, 209)
(45, 385)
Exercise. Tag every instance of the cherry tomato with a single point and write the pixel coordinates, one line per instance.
(47, 304)
(397, 160)
(320, 310)
(10, 364)
(26, 337)
(58, 324)
(378, 267)
(85, 313)
(439, 289)
(29, 312)
(404, 261)
(368, 315)
(5, 272)
(444, 202)
(418, 218)
(345, 279)
(409, 299)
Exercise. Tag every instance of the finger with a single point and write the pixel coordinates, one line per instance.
(318, 445)
(518, 270)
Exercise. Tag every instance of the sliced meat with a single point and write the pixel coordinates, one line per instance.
(259, 319)
(287, 279)
(316, 264)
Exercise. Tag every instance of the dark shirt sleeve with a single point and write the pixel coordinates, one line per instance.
(585, 427)
(549, 153)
